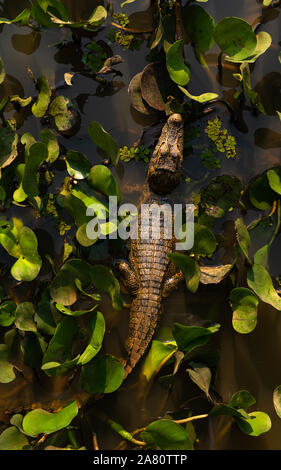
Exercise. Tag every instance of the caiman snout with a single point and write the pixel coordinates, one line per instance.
(166, 163)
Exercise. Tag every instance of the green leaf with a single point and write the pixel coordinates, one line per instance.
(12, 439)
(226, 410)
(38, 152)
(7, 373)
(242, 399)
(199, 26)
(166, 435)
(7, 313)
(247, 86)
(73, 313)
(27, 267)
(42, 422)
(19, 195)
(264, 41)
(244, 304)
(260, 281)
(103, 374)
(157, 356)
(24, 317)
(258, 423)
(99, 15)
(266, 3)
(33, 349)
(260, 193)
(176, 67)
(243, 237)
(235, 37)
(63, 289)
(41, 105)
(201, 375)
(190, 269)
(274, 179)
(22, 18)
(77, 164)
(203, 98)
(44, 316)
(204, 241)
(222, 193)
(8, 146)
(101, 178)
(57, 358)
(64, 114)
(49, 139)
(96, 333)
(190, 337)
(277, 400)
(40, 15)
(2, 70)
(104, 141)
(105, 281)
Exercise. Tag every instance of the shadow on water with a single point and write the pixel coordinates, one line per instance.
(243, 364)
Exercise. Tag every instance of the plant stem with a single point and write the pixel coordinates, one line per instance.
(192, 418)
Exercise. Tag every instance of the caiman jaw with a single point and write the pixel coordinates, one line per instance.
(166, 163)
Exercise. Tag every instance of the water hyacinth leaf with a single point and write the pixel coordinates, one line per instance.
(104, 141)
(44, 317)
(277, 400)
(157, 356)
(190, 269)
(63, 289)
(242, 399)
(41, 105)
(260, 193)
(57, 358)
(49, 139)
(260, 281)
(256, 424)
(2, 71)
(40, 14)
(77, 164)
(201, 375)
(243, 237)
(105, 281)
(8, 146)
(190, 337)
(226, 410)
(24, 317)
(7, 373)
(176, 67)
(103, 374)
(22, 102)
(73, 313)
(42, 422)
(152, 90)
(101, 178)
(203, 98)
(199, 26)
(37, 154)
(214, 274)
(8, 238)
(247, 86)
(27, 267)
(96, 334)
(274, 179)
(166, 435)
(98, 16)
(64, 114)
(235, 37)
(12, 439)
(19, 195)
(244, 304)
(22, 18)
(7, 313)
(266, 3)
(204, 241)
(261, 256)
(136, 98)
(264, 41)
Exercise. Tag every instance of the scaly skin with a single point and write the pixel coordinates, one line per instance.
(148, 272)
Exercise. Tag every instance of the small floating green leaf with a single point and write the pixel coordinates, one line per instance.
(190, 337)
(96, 333)
(204, 241)
(105, 281)
(203, 98)
(244, 304)
(7, 313)
(13, 439)
(103, 374)
(38, 152)
(104, 141)
(157, 356)
(42, 422)
(274, 178)
(101, 178)
(235, 37)
(176, 67)
(201, 375)
(24, 317)
(277, 400)
(8, 146)
(199, 26)
(49, 139)
(190, 269)
(260, 281)
(166, 435)
(256, 424)
(40, 107)
(243, 237)
(77, 164)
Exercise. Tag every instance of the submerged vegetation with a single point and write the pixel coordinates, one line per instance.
(53, 314)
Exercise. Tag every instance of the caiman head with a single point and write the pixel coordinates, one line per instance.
(166, 162)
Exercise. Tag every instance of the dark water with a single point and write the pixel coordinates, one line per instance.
(246, 361)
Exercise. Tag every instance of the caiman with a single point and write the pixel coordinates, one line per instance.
(149, 275)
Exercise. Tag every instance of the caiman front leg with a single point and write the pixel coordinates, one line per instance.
(172, 283)
(127, 276)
